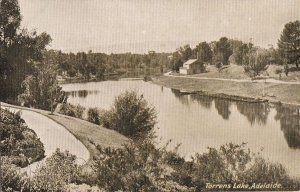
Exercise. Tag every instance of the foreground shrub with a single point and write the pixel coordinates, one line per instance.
(132, 116)
(59, 170)
(82, 188)
(136, 167)
(12, 179)
(264, 171)
(72, 110)
(94, 116)
(18, 142)
(106, 117)
(140, 166)
(232, 164)
(220, 166)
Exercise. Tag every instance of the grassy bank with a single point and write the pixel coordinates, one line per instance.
(285, 93)
(90, 134)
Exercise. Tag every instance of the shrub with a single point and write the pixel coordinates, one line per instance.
(19, 142)
(132, 116)
(94, 116)
(106, 117)
(264, 171)
(136, 167)
(12, 180)
(258, 63)
(219, 66)
(234, 164)
(286, 69)
(72, 110)
(278, 71)
(79, 111)
(42, 89)
(59, 170)
(219, 166)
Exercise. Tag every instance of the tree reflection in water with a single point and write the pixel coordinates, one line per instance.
(289, 121)
(222, 107)
(81, 93)
(204, 101)
(181, 97)
(255, 112)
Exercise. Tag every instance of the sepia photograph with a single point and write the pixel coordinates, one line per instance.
(149, 95)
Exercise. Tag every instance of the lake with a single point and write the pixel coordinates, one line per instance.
(197, 122)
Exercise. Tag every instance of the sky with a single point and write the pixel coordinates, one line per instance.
(138, 26)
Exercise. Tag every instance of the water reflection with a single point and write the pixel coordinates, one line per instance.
(204, 101)
(81, 93)
(222, 106)
(184, 99)
(255, 112)
(289, 121)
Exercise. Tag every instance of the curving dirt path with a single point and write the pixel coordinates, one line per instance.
(52, 135)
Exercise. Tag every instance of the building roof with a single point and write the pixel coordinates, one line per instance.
(190, 61)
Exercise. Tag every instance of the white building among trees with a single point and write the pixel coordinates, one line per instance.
(192, 66)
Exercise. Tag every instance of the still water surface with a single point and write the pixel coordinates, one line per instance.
(197, 122)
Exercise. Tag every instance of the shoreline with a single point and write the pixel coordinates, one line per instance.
(244, 92)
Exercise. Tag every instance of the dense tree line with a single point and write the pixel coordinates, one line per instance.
(221, 52)
(86, 65)
(225, 51)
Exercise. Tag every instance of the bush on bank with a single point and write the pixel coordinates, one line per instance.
(55, 174)
(144, 167)
(130, 115)
(141, 166)
(11, 178)
(72, 110)
(94, 116)
(19, 143)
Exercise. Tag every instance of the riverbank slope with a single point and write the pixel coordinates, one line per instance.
(273, 92)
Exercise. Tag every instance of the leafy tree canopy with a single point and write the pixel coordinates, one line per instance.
(289, 42)
(19, 48)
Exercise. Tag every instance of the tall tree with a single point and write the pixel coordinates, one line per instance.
(239, 52)
(82, 65)
(18, 49)
(203, 52)
(186, 53)
(289, 42)
(222, 51)
(176, 61)
(41, 90)
(258, 62)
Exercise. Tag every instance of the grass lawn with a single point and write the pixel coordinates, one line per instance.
(275, 92)
(90, 134)
(233, 71)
